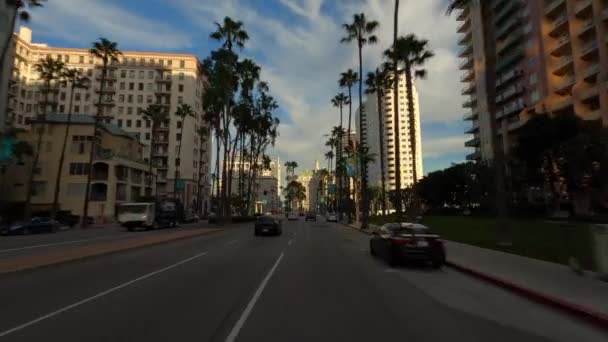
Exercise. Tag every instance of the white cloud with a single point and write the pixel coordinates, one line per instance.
(82, 21)
(303, 59)
(437, 147)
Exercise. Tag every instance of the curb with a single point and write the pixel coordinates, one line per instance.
(45, 260)
(596, 318)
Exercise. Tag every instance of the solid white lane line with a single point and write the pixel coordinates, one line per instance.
(101, 294)
(58, 243)
(232, 242)
(290, 241)
(239, 324)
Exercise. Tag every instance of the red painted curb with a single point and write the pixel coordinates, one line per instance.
(597, 318)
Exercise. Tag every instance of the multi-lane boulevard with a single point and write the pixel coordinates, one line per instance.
(316, 282)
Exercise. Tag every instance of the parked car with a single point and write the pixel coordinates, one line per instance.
(266, 225)
(310, 216)
(292, 216)
(402, 242)
(332, 217)
(189, 216)
(33, 226)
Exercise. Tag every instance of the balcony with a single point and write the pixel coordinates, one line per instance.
(515, 38)
(504, 12)
(466, 50)
(586, 27)
(588, 94)
(465, 26)
(162, 91)
(466, 38)
(509, 60)
(562, 45)
(559, 26)
(508, 93)
(473, 129)
(475, 156)
(510, 109)
(589, 50)
(463, 14)
(468, 90)
(508, 27)
(466, 64)
(591, 72)
(562, 65)
(470, 103)
(468, 76)
(106, 89)
(475, 142)
(471, 116)
(553, 7)
(166, 79)
(583, 9)
(160, 153)
(564, 85)
(507, 77)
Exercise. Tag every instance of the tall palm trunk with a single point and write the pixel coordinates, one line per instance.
(339, 168)
(198, 179)
(412, 120)
(363, 190)
(177, 173)
(94, 142)
(150, 162)
(396, 114)
(225, 199)
(30, 182)
(379, 96)
(55, 207)
(217, 166)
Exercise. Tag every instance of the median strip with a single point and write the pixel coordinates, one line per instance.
(58, 257)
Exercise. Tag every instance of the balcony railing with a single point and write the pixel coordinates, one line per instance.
(587, 25)
(474, 156)
(550, 8)
(473, 142)
(581, 5)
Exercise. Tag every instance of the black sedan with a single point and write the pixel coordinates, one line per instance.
(34, 226)
(402, 242)
(267, 225)
(310, 216)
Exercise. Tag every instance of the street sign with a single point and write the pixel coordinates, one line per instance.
(7, 147)
(181, 185)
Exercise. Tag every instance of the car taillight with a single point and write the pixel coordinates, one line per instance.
(401, 241)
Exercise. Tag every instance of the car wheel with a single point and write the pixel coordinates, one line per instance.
(390, 257)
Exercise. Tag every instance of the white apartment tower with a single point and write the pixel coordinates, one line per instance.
(370, 135)
(138, 80)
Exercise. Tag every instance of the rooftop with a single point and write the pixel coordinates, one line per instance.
(83, 119)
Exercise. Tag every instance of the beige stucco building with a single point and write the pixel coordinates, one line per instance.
(137, 80)
(6, 15)
(119, 173)
(527, 57)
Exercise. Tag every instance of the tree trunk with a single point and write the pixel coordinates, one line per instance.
(381, 146)
(85, 212)
(176, 173)
(396, 116)
(153, 179)
(364, 207)
(55, 207)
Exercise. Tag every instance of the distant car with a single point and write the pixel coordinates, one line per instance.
(292, 216)
(33, 226)
(332, 217)
(266, 225)
(310, 216)
(401, 242)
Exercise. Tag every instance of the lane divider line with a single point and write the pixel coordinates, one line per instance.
(101, 294)
(234, 333)
(60, 243)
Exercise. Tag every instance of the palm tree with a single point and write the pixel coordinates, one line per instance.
(339, 101)
(108, 52)
(413, 54)
(504, 234)
(395, 72)
(361, 31)
(291, 168)
(77, 80)
(376, 83)
(183, 111)
(49, 71)
(231, 33)
(203, 134)
(347, 80)
(157, 115)
(24, 15)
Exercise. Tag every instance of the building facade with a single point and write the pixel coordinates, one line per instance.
(119, 173)
(136, 81)
(527, 57)
(7, 13)
(371, 136)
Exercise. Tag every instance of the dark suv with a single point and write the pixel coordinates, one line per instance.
(267, 225)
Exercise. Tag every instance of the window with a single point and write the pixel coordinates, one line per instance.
(170, 62)
(81, 59)
(131, 73)
(62, 96)
(147, 136)
(179, 124)
(181, 75)
(130, 99)
(90, 72)
(140, 87)
(39, 188)
(149, 87)
(131, 86)
(533, 78)
(123, 73)
(76, 109)
(87, 96)
(129, 110)
(182, 64)
(178, 136)
(180, 88)
(121, 98)
(149, 99)
(86, 109)
(77, 96)
(141, 74)
(140, 99)
(148, 123)
(534, 97)
(138, 123)
(139, 110)
(128, 123)
(150, 74)
(121, 110)
(79, 169)
(119, 122)
(122, 85)
(180, 99)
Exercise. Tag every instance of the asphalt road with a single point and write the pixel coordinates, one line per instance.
(20, 245)
(316, 282)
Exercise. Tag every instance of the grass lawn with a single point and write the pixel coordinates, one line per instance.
(538, 239)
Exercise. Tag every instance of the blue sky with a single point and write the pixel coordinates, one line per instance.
(297, 44)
